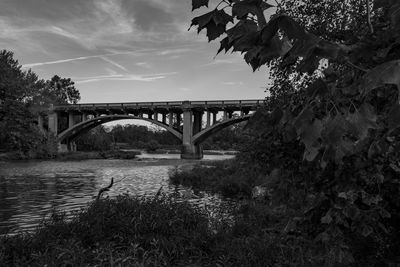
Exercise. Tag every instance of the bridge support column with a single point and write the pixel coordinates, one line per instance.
(41, 123)
(208, 119)
(189, 149)
(84, 117)
(214, 118)
(70, 120)
(171, 119)
(53, 123)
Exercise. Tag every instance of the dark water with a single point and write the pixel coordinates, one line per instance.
(30, 190)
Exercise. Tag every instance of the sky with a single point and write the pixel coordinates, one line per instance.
(125, 50)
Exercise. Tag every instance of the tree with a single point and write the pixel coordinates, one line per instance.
(56, 91)
(22, 96)
(335, 98)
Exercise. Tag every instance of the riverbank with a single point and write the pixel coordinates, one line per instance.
(109, 154)
(78, 155)
(157, 231)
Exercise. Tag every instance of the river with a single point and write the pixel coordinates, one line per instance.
(30, 190)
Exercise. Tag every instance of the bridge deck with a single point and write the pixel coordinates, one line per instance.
(177, 105)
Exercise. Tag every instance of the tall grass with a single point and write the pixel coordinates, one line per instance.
(131, 231)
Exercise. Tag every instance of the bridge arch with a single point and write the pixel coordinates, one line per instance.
(84, 126)
(203, 135)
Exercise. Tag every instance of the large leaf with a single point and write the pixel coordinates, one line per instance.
(362, 120)
(247, 42)
(202, 21)
(288, 25)
(304, 118)
(241, 29)
(225, 45)
(214, 21)
(310, 137)
(243, 8)
(199, 3)
(386, 73)
(317, 88)
(394, 117)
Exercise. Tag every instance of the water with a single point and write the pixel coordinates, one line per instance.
(30, 190)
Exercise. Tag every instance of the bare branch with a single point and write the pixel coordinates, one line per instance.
(104, 189)
(355, 66)
(371, 28)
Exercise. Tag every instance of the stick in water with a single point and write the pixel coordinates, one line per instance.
(104, 189)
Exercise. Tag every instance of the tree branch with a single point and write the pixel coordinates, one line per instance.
(104, 189)
(371, 28)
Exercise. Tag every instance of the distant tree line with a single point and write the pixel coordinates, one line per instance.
(143, 137)
(23, 96)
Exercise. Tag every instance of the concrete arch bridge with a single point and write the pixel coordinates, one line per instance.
(189, 121)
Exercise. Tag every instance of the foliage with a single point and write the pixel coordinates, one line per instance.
(228, 178)
(154, 231)
(331, 128)
(96, 139)
(22, 97)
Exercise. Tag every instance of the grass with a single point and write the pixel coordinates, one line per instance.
(223, 177)
(159, 231)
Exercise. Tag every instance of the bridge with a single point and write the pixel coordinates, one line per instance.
(189, 121)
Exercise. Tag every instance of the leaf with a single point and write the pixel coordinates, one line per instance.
(310, 138)
(386, 73)
(246, 42)
(243, 8)
(327, 219)
(214, 31)
(378, 147)
(220, 17)
(335, 129)
(394, 14)
(199, 3)
(241, 29)
(362, 120)
(384, 213)
(286, 24)
(317, 88)
(366, 230)
(394, 117)
(214, 21)
(225, 44)
(202, 21)
(351, 212)
(304, 118)
(251, 57)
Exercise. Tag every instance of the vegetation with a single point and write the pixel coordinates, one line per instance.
(158, 231)
(328, 138)
(22, 97)
(143, 137)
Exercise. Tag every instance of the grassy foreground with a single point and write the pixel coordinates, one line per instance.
(158, 231)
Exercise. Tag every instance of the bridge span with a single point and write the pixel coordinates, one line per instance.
(189, 121)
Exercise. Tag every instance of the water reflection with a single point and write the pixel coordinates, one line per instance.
(30, 190)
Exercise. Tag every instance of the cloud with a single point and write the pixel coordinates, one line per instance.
(114, 63)
(123, 77)
(102, 56)
(232, 83)
(144, 65)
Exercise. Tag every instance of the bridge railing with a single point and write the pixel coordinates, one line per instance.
(170, 104)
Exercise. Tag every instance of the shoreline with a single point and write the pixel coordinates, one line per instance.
(127, 154)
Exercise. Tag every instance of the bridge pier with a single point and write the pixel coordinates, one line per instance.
(191, 126)
(53, 123)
